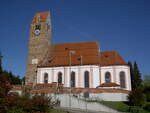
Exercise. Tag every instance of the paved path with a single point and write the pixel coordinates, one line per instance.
(82, 111)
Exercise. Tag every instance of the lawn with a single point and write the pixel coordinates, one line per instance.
(119, 106)
(57, 111)
(123, 107)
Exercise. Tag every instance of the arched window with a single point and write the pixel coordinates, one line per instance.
(86, 79)
(45, 78)
(60, 77)
(72, 79)
(107, 77)
(122, 79)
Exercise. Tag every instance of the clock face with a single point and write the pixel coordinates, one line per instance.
(37, 32)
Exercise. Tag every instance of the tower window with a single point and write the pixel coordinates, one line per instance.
(37, 27)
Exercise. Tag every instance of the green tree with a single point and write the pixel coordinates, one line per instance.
(15, 80)
(1, 70)
(41, 103)
(136, 80)
(147, 78)
(131, 73)
(23, 80)
(4, 89)
(15, 110)
(136, 98)
(14, 103)
(146, 90)
(4, 85)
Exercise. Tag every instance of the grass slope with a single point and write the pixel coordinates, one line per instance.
(57, 111)
(123, 107)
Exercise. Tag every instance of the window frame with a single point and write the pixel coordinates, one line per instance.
(73, 79)
(46, 78)
(86, 79)
(124, 79)
(109, 77)
(59, 75)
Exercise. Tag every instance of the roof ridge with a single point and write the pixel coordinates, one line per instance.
(110, 51)
(75, 42)
(42, 12)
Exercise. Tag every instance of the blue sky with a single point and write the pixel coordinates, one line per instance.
(121, 25)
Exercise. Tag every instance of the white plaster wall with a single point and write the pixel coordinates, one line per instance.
(109, 96)
(104, 70)
(56, 71)
(19, 92)
(74, 69)
(96, 75)
(126, 69)
(40, 75)
(79, 75)
(115, 72)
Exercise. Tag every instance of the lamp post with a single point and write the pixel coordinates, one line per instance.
(70, 53)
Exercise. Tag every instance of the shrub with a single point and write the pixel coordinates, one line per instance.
(147, 107)
(41, 103)
(135, 109)
(4, 86)
(15, 110)
(13, 103)
(136, 98)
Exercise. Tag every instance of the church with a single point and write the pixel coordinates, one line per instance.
(81, 66)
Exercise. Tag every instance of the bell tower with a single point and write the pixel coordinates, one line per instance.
(39, 41)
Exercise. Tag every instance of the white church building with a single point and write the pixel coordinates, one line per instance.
(83, 65)
(79, 67)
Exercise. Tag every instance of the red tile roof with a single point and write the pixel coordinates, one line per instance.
(86, 53)
(61, 52)
(112, 84)
(16, 87)
(47, 90)
(43, 17)
(79, 90)
(111, 58)
(49, 85)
